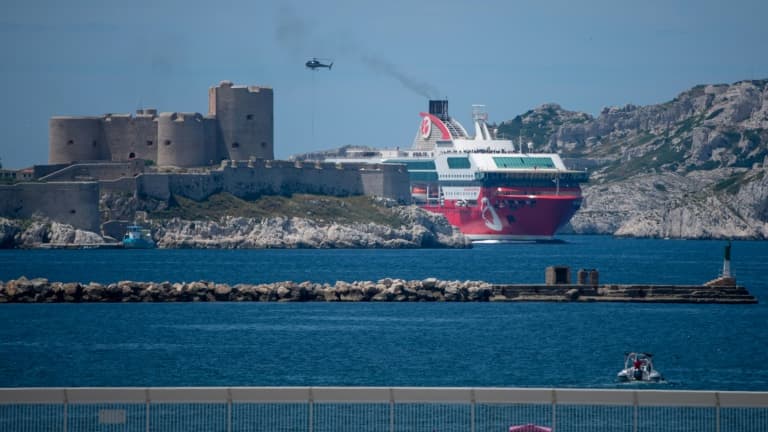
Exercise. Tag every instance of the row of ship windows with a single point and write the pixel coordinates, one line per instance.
(457, 176)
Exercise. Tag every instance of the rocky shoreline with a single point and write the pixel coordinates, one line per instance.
(40, 290)
(421, 230)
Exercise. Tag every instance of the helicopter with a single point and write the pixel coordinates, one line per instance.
(315, 63)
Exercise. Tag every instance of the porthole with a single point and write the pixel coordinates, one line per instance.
(167, 142)
(131, 155)
(235, 144)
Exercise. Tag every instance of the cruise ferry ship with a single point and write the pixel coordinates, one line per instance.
(488, 187)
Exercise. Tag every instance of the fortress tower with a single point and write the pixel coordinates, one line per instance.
(75, 139)
(181, 140)
(245, 117)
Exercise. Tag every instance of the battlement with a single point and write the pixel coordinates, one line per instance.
(259, 89)
(226, 84)
(181, 116)
(146, 112)
(77, 117)
(228, 164)
(140, 115)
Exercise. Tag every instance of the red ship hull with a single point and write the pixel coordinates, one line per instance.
(511, 217)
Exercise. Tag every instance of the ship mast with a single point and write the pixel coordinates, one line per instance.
(480, 117)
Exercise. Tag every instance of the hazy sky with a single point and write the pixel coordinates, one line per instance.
(80, 57)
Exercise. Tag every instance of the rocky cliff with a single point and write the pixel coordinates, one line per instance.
(416, 228)
(38, 231)
(419, 230)
(693, 167)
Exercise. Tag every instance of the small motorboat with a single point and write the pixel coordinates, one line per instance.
(138, 237)
(529, 428)
(639, 367)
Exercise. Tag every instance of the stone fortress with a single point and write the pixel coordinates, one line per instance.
(159, 155)
(238, 126)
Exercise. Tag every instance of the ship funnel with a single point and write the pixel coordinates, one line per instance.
(439, 109)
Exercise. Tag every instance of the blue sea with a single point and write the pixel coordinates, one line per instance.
(704, 347)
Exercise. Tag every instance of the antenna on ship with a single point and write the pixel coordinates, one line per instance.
(480, 117)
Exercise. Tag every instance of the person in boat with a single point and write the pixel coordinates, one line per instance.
(638, 365)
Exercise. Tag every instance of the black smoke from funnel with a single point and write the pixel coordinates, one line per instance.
(293, 33)
(422, 88)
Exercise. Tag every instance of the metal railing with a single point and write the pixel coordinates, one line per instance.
(396, 409)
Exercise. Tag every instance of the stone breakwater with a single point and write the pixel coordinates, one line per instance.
(39, 290)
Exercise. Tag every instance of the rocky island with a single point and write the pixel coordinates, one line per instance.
(693, 167)
(302, 221)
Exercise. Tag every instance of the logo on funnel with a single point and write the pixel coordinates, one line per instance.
(426, 127)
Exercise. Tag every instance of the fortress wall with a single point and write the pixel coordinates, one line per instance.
(75, 139)
(309, 179)
(145, 132)
(39, 171)
(195, 186)
(97, 170)
(181, 139)
(386, 181)
(246, 120)
(118, 135)
(288, 177)
(252, 179)
(129, 137)
(153, 186)
(126, 185)
(396, 183)
(75, 203)
(214, 148)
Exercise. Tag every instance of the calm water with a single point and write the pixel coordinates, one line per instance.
(447, 344)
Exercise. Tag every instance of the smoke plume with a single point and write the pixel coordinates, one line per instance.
(294, 34)
(382, 66)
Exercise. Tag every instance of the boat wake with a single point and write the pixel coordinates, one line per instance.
(549, 241)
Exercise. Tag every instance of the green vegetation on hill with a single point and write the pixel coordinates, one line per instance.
(321, 208)
(537, 128)
(660, 158)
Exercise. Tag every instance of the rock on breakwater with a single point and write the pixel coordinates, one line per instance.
(40, 290)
